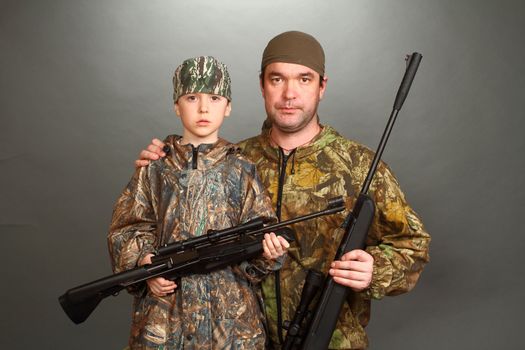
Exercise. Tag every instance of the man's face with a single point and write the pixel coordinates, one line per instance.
(291, 95)
(202, 116)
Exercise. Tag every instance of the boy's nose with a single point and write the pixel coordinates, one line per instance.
(203, 107)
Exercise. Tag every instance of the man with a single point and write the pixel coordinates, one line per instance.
(302, 163)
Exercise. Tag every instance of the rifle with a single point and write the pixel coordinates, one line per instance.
(203, 254)
(321, 323)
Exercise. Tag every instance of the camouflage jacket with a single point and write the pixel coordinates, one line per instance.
(178, 197)
(327, 167)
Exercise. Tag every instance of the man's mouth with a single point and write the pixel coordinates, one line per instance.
(288, 109)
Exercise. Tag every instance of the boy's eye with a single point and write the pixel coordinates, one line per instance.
(191, 98)
(216, 98)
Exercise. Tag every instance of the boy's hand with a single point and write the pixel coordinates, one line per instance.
(158, 286)
(354, 270)
(274, 246)
(152, 152)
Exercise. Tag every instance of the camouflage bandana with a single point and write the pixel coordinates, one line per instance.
(202, 74)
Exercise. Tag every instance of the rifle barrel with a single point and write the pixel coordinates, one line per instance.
(401, 95)
(335, 205)
(253, 227)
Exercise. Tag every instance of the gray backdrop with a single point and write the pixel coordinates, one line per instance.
(85, 85)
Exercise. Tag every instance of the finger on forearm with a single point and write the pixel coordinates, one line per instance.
(149, 155)
(352, 265)
(160, 286)
(157, 143)
(356, 286)
(139, 163)
(275, 243)
(357, 254)
(156, 150)
(350, 275)
(156, 146)
(169, 288)
(274, 249)
(284, 242)
(266, 251)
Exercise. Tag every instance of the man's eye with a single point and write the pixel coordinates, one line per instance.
(276, 80)
(305, 80)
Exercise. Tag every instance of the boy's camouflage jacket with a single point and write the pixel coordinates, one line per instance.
(331, 166)
(183, 195)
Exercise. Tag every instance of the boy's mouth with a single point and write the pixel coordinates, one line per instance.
(203, 122)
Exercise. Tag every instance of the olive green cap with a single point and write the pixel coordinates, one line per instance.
(295, 47)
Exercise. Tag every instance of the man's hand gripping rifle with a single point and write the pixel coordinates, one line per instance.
(316, 332)
(214, 250)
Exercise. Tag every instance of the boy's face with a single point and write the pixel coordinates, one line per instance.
(202, 116)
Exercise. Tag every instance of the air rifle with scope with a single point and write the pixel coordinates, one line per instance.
(203, 254)
(313, 329)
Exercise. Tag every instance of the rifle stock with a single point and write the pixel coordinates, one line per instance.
(217, 249)
(79, 302)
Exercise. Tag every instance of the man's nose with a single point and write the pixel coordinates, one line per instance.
(290, 90)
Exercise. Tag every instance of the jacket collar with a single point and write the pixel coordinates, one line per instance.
(319, 142)
(206, 155)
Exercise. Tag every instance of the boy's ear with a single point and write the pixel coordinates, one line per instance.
(176, 108)
(228, 109)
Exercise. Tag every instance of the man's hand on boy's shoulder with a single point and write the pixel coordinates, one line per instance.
(152, 152)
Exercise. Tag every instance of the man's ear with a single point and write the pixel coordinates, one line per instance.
(322, 89)
(261, 85)
(228, 109)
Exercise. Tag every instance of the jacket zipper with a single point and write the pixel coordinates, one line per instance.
(195, 153)
(282, 175)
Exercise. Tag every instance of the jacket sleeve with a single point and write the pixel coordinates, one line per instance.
(132, 233)
(397, 239)
(257, 203)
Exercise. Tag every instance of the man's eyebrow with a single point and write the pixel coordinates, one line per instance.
(306, 75)
(279, 74)
(274, 73)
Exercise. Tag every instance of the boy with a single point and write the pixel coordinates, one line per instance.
(203, 183)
